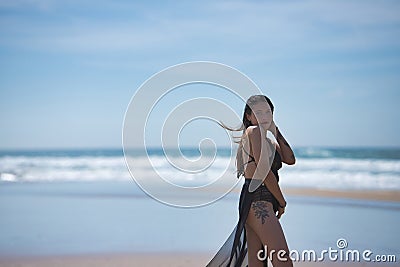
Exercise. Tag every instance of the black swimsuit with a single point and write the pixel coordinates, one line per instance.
(234, 251)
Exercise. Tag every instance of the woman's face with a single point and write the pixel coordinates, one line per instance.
(261, 115)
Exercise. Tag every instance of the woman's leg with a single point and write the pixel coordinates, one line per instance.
(253, 246)
(264, 223)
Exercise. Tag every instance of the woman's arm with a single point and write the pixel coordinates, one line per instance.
(284, 148)
(261, 152)
(263, 171)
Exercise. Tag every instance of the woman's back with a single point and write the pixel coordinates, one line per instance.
(247, 156)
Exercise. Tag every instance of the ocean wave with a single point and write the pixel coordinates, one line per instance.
(308, 172)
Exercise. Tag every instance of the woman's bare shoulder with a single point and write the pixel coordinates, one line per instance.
(253, 133)
(248, 135)
(252, 130)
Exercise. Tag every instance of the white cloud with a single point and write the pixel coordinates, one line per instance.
(276, 26)
(243, 32)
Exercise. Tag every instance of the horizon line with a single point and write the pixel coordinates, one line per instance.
(189, 147)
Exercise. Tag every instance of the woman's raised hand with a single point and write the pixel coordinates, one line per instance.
(272, 129)
(281, 210)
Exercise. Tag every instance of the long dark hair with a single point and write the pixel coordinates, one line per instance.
(255, 99)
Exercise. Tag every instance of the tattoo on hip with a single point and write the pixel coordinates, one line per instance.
(260, 210)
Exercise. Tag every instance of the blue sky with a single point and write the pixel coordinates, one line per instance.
(68, 69)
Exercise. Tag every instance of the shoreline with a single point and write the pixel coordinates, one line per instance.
(375, 195)
(355, 194)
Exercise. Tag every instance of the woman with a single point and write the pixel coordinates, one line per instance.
(258, 160)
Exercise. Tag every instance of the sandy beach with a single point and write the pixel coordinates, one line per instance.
(122, 260)
(145, 260)
(381, 195)
(191, 258)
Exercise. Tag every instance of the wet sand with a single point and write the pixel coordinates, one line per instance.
(381, 195)
(145, 260)
(176, 259)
